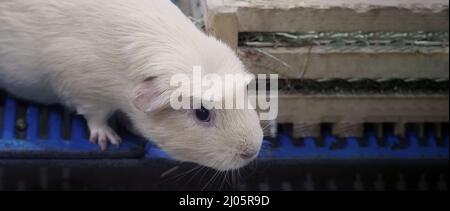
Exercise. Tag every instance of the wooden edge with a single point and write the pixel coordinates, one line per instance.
(365, 62)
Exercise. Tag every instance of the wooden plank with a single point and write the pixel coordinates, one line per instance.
(338, 15)
(361, 62)
(316, 109)
(222, 23)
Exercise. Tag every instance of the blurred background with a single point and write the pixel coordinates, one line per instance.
(363, 106)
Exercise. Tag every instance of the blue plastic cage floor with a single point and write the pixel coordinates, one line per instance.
(327, 147)
(54, 144)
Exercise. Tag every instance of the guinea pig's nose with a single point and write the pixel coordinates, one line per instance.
(248, 155)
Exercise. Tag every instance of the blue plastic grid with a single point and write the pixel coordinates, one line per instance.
(78, 146)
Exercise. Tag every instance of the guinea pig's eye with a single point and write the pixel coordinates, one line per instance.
(203, 114)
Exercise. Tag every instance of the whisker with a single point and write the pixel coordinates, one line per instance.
(208, 183)
(233, 179)
(228, 180)
(204, 174)
(223, 180)
(178, 176)
(218, 179)
(238, 183)
(170, 171)
(192, 177)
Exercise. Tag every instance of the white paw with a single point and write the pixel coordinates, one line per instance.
(103, 135)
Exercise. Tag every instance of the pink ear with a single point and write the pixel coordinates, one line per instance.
(149, 97)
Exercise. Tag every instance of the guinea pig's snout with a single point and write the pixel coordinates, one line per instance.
(249, 152)
(248, 155)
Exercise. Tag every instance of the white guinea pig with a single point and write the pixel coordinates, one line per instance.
(102, 56)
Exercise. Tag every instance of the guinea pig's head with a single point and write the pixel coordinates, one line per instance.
(222, 139)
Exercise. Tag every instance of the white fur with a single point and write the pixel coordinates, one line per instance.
(94, 55)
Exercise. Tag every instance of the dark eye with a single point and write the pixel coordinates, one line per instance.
(203, 114)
